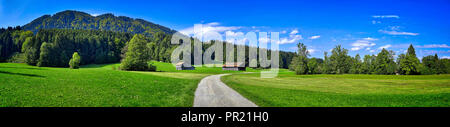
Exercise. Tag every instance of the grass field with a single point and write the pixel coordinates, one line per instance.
(93, 85)
(168, 67)
(99, 85)
(288, 90)
(103, 85)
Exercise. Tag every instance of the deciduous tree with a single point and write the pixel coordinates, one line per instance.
(74, 63)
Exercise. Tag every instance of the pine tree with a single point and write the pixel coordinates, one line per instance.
(410, 64)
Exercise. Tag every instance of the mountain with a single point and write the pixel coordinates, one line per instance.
(80, 20)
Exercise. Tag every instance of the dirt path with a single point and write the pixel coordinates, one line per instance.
(211, 92)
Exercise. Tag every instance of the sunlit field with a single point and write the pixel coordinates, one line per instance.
(99, 85)
(290, 90)
(93, 85)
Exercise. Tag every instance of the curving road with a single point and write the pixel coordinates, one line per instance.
(211, 92)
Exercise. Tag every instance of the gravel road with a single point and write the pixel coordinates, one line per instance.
(211, 92)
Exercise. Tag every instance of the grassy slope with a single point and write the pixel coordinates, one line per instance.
(289, 89)
(93, 85)
(99, 85)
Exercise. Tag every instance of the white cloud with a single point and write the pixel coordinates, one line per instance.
(213, 23)
(445, 57)
(208, 30)
(434, 46)
(291, 39)
(385, 47)
(235, 35)
(355, 48)
(264, 40)
(95, 14)
(395, 30)
(376, 22)
(363, 43)
(386, 16)
(312, 51)
(370, 39)
(294, 31)
(398, 33)
(209, 27)
(372, 51)
(314, 37)
(284, 32)
(432, 52)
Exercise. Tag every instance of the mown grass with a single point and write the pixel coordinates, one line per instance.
(290, 90)
(93, 85)
(100, 85)
(169, 67)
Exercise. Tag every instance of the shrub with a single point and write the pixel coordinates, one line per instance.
(74, 63)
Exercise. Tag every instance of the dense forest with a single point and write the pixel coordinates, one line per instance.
(107, 22)
(54, 47)
(51, 40)
(339, 62)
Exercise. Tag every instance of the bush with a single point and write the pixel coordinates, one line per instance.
(151, 67)
(74, 63)
(17, 58)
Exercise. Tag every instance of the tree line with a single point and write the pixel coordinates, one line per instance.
(55, 47)
(339, 62)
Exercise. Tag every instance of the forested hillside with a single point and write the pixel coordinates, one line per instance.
(51, 40)
(54, 47)
(108, 22)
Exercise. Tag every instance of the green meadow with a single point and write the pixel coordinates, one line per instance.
(290, 90)
(99, 85)
(213, 69)
(104, 85)
(22, 85)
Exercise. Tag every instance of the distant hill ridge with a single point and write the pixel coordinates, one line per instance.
(71, 19)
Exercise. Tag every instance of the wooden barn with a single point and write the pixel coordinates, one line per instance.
(180, 66)
(236, 66)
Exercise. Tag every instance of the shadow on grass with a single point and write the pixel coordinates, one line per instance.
(25, 68)
(21, 74)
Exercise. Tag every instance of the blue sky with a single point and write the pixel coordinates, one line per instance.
(362, 26)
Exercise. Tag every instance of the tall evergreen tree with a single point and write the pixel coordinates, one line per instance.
(410, 64)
